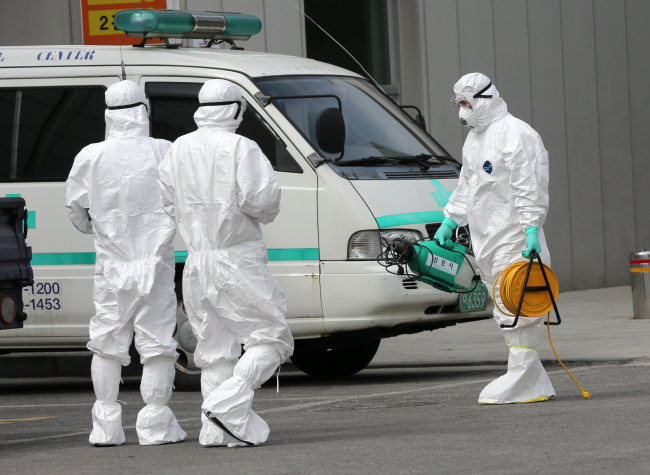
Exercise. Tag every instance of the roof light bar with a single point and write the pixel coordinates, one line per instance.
(178, 24)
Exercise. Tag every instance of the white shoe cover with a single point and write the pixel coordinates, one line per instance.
(213, 436)
(106, 412)
(211, 377)
(526, 379)
(157, 425)
(231, 403)
(107, 424)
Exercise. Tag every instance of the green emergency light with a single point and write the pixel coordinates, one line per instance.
(192, 25)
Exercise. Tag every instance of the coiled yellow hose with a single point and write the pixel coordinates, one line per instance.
(535, 304)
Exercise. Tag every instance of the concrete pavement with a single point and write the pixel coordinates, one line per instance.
(384, 421)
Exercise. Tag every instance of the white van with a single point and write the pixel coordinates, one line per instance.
(322, 248)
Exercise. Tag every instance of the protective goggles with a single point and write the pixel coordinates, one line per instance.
(460, 100)
(205, 104)
(129, 106)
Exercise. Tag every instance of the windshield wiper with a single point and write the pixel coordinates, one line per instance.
(364, 161)
(421, 160)
(424, 157)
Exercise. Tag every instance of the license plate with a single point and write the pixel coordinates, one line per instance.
(475, 300)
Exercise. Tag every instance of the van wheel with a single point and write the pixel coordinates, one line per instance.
(185, 381)
(343, 361)
(188, 376)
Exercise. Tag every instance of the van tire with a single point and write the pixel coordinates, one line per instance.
(186, 382)
(342, 361)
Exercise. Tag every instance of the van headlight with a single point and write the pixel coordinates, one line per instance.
(368, 245)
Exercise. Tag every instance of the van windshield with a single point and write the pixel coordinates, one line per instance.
(375, 127)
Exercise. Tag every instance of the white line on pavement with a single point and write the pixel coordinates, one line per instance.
(172, 402)
(49, 405)
(311, 404)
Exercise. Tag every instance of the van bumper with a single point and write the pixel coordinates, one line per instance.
(359, 295)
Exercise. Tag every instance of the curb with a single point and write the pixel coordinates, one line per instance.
(547, 363)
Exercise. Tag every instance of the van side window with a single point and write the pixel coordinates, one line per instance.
(43, 129)
(172, 114)
(7, 107)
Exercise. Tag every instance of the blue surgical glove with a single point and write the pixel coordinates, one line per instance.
(443, 234)
(532, 243)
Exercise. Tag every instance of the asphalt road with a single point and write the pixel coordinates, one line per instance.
(380, 421)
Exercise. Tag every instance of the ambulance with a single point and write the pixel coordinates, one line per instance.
(356, 172)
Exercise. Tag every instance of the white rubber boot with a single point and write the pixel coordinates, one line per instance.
(106, 412)
(156, 424)
(526, 379)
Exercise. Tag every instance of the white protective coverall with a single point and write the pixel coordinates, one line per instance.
(219, 187)
(502, 191)
(113, 193)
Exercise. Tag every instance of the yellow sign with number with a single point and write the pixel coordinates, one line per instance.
(100, 22)
(117, 2)
(98, 15)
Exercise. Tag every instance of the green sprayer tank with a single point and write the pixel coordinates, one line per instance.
(445, 269)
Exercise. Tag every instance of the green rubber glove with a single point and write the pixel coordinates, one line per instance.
(444, 232)
(532, 243)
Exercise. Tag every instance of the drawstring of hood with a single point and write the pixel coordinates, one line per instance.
(480, 93)
(128, 106)
(225, 103)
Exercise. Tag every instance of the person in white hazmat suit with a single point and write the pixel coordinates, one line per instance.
(113, 193)
(502, 194)
(219, 187)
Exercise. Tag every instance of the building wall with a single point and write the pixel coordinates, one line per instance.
(576, 70)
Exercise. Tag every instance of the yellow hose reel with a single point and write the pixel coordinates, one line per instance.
(513, 281)
(530, 289)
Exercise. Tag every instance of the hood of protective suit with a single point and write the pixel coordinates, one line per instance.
(487, 110)
(130, 122)
(222, 117)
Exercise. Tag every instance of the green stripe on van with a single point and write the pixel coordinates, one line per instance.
(62, 258)
(410, 218)
(31, 219)
(295, 254)
(88, 258)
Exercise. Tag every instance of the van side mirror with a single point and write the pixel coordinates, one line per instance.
(419, 118)
(330, 130)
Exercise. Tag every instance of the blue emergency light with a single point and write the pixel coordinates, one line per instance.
(191, 25)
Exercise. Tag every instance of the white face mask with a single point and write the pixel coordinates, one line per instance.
(467, 117)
